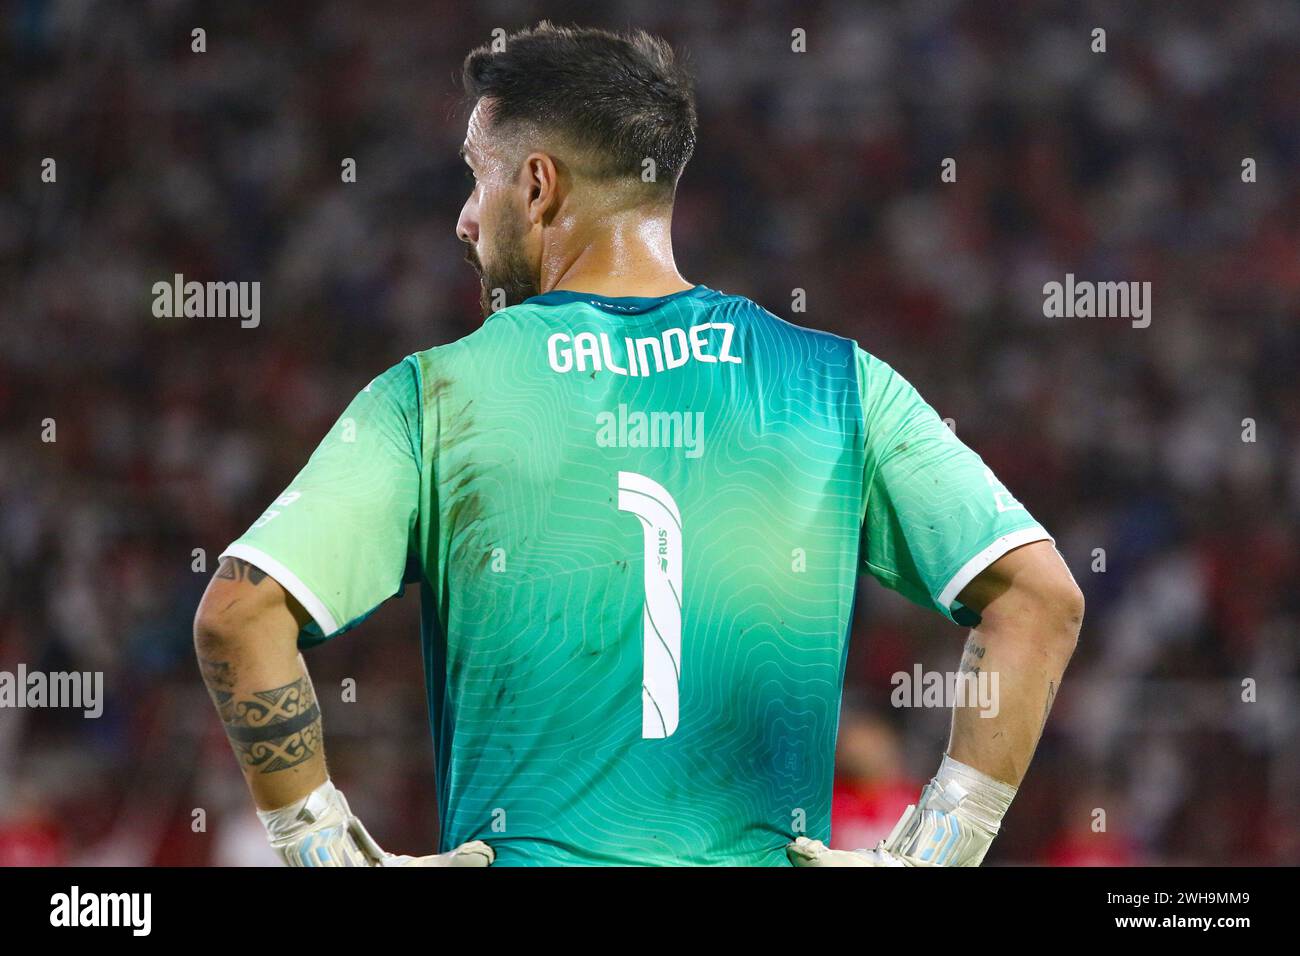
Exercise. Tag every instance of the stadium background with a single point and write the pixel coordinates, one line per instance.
(816, 171)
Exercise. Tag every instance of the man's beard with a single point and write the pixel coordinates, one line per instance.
(510, 273)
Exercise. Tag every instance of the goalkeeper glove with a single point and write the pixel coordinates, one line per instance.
(320, 830)
(958, 816)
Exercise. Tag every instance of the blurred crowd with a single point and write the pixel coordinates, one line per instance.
(1166, 460)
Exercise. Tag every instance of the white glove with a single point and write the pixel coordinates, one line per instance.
(806, 852)
(320, 830)
(954, 824)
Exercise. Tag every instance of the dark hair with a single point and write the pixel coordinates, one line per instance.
(623, 97)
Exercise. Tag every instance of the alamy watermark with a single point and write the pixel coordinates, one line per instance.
(78, 690)
(632, 429)
(1100, 300)
(208, 300)
(129, 910)
(946, 689)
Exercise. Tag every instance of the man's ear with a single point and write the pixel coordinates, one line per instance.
(541, 179)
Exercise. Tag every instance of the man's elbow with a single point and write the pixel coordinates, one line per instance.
(229, 614)
(1069, 607)
(214, 632)
(1060, 605)
(1042, 595)
(236, 617)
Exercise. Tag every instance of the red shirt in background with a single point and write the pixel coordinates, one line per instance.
(863, 813)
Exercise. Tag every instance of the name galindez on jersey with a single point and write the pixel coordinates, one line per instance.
(672, 348)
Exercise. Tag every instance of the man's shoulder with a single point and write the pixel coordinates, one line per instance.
(749, 309)
(429, 361)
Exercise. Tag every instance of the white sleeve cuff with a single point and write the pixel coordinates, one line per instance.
(287, 580)
(971, 569)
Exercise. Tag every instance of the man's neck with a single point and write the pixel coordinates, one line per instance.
(627, 255)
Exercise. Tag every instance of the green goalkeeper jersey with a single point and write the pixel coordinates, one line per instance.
(636, 525)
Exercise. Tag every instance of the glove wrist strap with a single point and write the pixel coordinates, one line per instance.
(959, 814)
(285, 821)
(986, 800)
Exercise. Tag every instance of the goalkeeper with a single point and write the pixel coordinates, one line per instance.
(619, 667)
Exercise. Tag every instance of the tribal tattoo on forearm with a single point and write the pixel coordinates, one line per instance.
(269, 730)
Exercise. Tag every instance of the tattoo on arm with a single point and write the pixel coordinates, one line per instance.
(971, 657)
(1047, 706)
(269, 730)
(237, 569)
(218, 675)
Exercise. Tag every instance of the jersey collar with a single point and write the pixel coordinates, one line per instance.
(622, 304)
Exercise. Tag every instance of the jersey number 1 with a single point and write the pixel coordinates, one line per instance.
(661, 616)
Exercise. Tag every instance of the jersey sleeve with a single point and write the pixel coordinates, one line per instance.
(339, 538)
(934, 515)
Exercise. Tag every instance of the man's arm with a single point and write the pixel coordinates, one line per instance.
(245, 637)
(1031, 611)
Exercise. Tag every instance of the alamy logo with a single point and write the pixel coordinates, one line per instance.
(1101, 300)
(82, 690)
(630, 429)
(939, 689)
(75, 908)
(208, 300)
